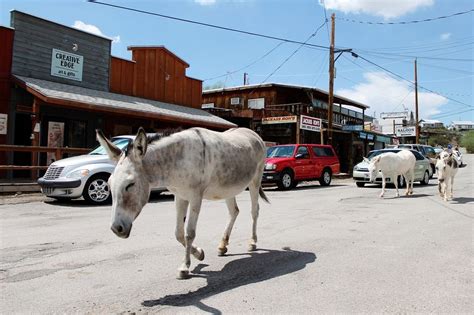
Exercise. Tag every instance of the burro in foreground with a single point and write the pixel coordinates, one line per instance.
(193, 164)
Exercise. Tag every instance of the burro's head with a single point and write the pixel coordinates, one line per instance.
(128, 183)
(373, 167)
(444, 159)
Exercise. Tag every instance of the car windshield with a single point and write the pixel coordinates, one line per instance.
(121, 143)
(280, 151)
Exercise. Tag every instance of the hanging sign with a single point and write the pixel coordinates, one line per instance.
(66, 65)
(405, 131)
(310, 123)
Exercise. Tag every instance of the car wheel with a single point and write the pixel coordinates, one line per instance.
(360, 184)
(426, 179)
(325, 179)
(286, 180)
(96, 190)
(401, 181)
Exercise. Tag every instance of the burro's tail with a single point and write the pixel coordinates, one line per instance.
(262, 194)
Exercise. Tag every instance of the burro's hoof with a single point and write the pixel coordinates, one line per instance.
(252, 247)
(221, 251)
(200, 254)
(182, 275)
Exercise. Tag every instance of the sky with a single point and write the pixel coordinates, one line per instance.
(380, 76)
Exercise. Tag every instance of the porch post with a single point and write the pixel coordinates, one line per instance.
(35, 132)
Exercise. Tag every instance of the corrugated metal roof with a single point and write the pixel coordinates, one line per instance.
(110, 101)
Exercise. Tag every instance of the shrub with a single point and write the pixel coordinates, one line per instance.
(467, 141)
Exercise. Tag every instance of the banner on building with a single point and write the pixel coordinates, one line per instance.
(310, 123)
(3, 124)
(394, 115)
(405, 131)
(279, 120)
(55, 138)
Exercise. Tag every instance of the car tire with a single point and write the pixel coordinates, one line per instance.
(426, 179)
(360, 184)
(401, 181)
(286, 180)
(97, 190)
(326, 178)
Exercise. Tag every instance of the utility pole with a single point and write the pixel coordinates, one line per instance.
(245, 78)
(416, 107)
(331, 78)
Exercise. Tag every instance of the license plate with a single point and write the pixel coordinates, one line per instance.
(47, 191)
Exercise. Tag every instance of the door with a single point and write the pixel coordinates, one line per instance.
(302, 163)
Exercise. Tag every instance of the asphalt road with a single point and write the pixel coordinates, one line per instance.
(321, 250)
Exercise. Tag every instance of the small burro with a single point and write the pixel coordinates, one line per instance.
(193, 164)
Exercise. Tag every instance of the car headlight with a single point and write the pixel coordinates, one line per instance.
(356, 168)
(78, 173)
(270, 166)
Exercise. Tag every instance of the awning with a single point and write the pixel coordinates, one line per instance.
(93, 100)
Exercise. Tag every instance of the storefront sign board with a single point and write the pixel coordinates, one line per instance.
(66, 65)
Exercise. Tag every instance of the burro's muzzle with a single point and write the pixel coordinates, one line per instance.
(121, 229)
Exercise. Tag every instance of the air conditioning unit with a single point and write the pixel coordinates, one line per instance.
(235, 101)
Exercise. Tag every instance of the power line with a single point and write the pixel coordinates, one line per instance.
(207, 24)
(413, 57)
(247, 66)
(399, 76)
(442, 115)
(289, 57)
(408, 22)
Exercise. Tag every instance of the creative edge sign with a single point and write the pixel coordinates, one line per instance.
(310, 123)
(66, 65)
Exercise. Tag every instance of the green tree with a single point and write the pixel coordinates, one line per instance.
(467, 141)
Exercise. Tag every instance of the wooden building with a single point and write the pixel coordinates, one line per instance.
(251, 105)
(58, 84)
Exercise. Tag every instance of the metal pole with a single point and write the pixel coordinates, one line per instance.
(416, 106)
(331, 79)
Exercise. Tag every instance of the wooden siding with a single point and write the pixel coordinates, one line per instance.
(157, 74)
(6, 38)
(121, 76)
(34, 40)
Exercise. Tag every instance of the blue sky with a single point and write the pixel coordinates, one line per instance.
(444, 46)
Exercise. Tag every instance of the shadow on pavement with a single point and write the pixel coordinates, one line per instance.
(463, 200)
(264, 264)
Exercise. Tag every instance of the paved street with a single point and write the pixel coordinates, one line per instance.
(321, 250)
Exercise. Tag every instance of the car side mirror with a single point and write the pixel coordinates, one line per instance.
(299, 156)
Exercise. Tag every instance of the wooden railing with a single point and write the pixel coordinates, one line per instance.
(34, 150)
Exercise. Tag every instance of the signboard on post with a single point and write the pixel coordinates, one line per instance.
(405, 131)
(310, 123)
(279, 120)
(3, 124)
(66, 65)
(394, 115)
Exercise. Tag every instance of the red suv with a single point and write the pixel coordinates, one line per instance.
(288, 164)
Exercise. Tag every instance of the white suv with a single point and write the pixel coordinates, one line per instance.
(84, 175)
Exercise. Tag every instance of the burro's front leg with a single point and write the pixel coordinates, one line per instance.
(383, 185)
(451, 196)
(193, 215)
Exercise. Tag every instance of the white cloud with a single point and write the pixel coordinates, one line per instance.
(388, 9)
(385, 94)
(94, 30)
(445, 36)
(205, 2)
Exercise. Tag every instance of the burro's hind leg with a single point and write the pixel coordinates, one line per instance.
(233, 213)
(254, 188)
(191, 222)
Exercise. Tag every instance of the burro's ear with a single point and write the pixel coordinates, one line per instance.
(112, 150)
(376, 159)
(140, 143)
(366, 160)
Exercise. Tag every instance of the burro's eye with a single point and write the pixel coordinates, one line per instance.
(128, 186)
